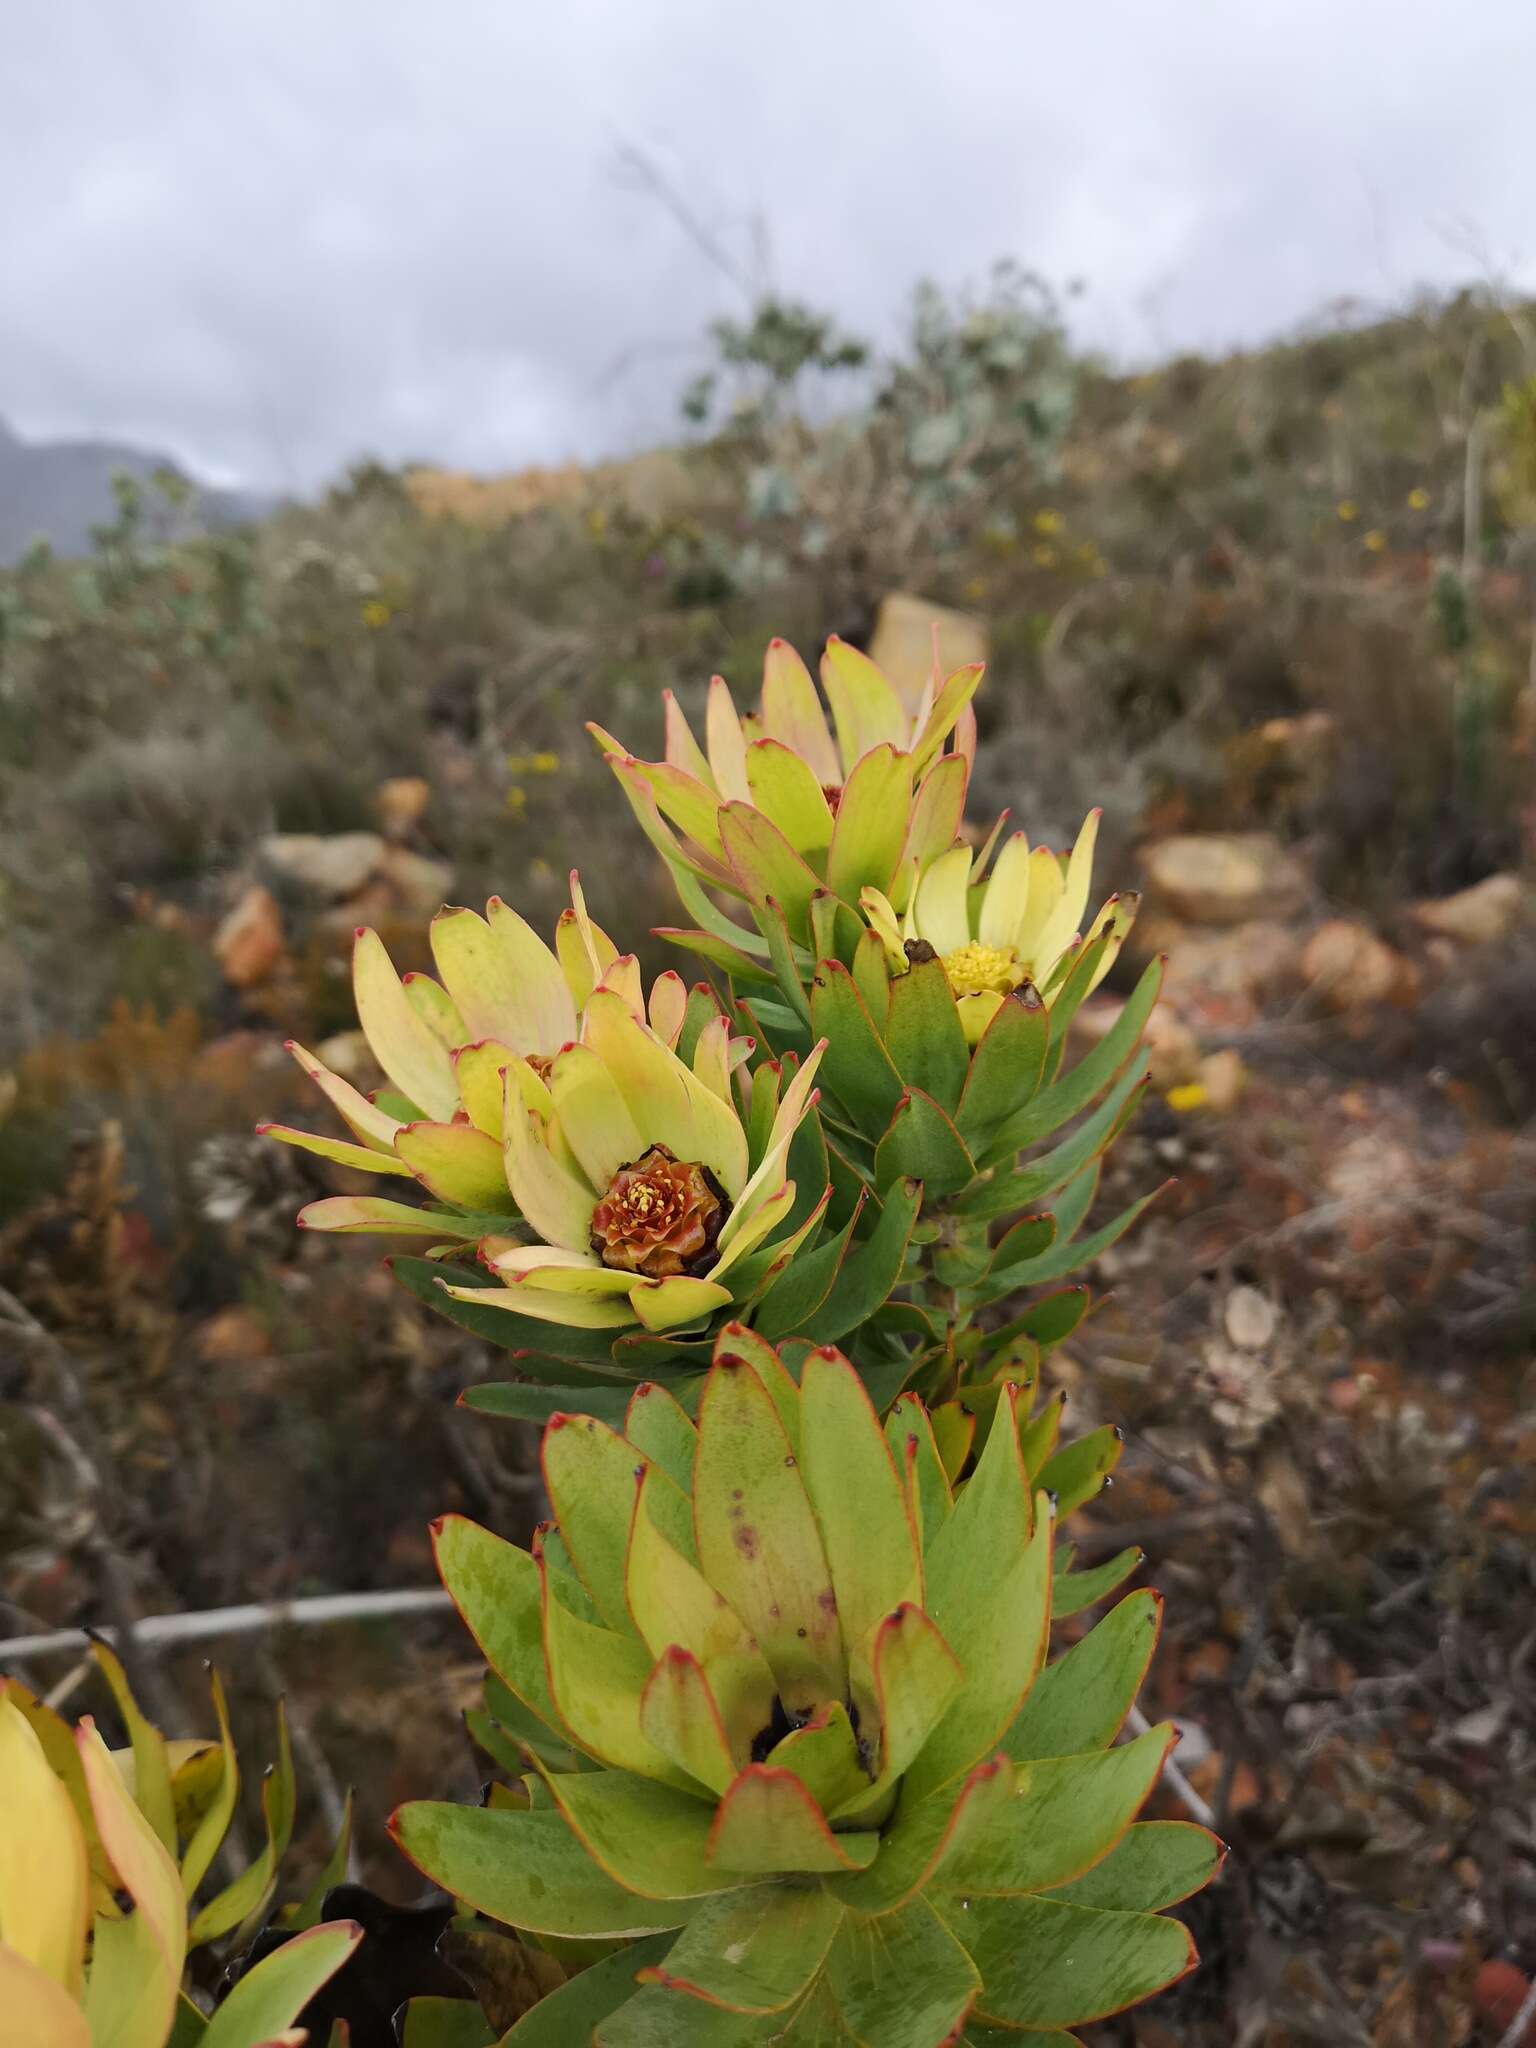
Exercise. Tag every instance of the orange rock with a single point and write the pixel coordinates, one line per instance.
(249, 943)
(232, 1335)
(400, 803)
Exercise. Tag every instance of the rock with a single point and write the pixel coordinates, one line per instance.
(347, 1053)
(249, 943)
(401, 803)
(1223, 1077)
(419, 886)
(1222, 979)
(1349, 969)
(1224, 878)
(334, 865)
(1477, 916)
(1250, 1318)
(903, 641)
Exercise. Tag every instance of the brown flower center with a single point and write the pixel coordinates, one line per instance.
(659, 1216)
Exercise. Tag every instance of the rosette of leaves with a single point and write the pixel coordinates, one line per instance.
(796, 1768)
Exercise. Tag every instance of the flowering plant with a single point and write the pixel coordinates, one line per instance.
(783, 1753)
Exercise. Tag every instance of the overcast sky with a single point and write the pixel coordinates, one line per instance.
(271, 235)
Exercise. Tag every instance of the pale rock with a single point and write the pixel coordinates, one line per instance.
(1250, 1318)
(903, 641)
(1241, 966)
(1223, 1076)
(1349, 969)
(1224, 878)
(418, 885)
(347, 1053)
(334, 865)
(1478, 916)
(248, 945)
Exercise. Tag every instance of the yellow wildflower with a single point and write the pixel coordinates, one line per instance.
(1418, 498)
(1348, 510)
(1375, 540)
(1048, 521)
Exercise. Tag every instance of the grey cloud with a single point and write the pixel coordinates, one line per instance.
(272, 236)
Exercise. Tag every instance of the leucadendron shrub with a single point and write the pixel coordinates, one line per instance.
(782, 1752)
(797, 1768)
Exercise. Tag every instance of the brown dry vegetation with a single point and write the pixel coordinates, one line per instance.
(1268, 594)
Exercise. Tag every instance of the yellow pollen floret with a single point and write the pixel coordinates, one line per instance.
(975, 969)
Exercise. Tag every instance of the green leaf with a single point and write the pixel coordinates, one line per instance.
(1066, 1256)
(1155, 1864)
(518, 1401)
(188, 2025)
(657, 2018)
(768, 1824)
(767, 866)
(151, 1770)
(1006, 1066)
(856, 1067)
(804, 1284)
(871, 1271)
(569, 2016)
(214, 1823)
(1042, 1176)
(1047, 1964)
(446, 2023)
(902, 1980)
(924, 1035)
(871, 823)
(998, 1630)
(921, 1142)
(659, 1427)
(759, 1546)
(781, 952)
(495, 1587)
(1076, 1590)
(923, 1834)
(1047, 1322)
(1082, 1084)
(1066, 1816)
(242, 1903)
(824, 1756)
(527, 1870)
(1078, 1472)
(752, 1951)
(718, 952)
(1081, 1700)
(1030, 1238)
(589, 1474)
(267, 2000)
(909, 1433)
(647, 1837)
(503, 1327)
(857, 1497)
(333, 1872)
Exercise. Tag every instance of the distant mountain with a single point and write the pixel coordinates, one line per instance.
(58, 490)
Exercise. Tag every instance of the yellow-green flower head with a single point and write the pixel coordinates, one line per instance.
(503, 997)
(782, 1692)
(781, 803)
(993, 933)
(634, 1168)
